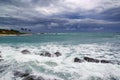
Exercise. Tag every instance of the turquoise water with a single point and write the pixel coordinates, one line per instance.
(70, 45)
(62, 37)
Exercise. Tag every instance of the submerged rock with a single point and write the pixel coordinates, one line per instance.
(40, 78)
(33, 77)
(29, 78)
(58, 54)
(41, 54)
(25, 51)
(20, 74)
(77, 60)
(105, 61)
(47, 54)
(88, 59)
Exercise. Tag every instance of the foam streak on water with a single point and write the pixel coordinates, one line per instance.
(63, 67)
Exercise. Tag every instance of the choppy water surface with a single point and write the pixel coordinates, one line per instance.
(70, 45)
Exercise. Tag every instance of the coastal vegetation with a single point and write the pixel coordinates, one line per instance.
(4, 32)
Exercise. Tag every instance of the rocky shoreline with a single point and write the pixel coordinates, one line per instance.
(58, 54)
(31, 76)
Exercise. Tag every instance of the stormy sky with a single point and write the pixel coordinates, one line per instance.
(61, 15)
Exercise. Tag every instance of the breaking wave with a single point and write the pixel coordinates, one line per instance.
(62, 67)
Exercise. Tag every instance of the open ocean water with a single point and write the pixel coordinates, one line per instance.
(95, 45)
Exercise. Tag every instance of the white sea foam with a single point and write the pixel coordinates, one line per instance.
(62, 67)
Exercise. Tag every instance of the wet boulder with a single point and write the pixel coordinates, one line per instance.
(25, 51)
(77, 60)
(58, 54)
(33, 77)
(105, 61)
(88, 59)
(42, 54)
(40, 78)
(29, 78)
(20, 74)
(47, 54)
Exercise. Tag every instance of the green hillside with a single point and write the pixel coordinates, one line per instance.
(5, 31)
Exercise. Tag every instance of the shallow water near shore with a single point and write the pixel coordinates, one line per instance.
(70, 45)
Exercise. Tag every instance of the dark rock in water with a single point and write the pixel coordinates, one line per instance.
(25, 51)
(42, 54)
(105, 61)
(47, 54)
(20, 74)
(32, 77)
(40, 78)
(57, 54)
(77, 60)
(91, 59)
(29, 78)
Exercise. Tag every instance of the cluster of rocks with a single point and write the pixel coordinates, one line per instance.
(25, 51)
(57, 54)
(46, 54)
(28, 76)
(88, 59)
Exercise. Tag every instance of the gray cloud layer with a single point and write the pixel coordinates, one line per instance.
(60, 15)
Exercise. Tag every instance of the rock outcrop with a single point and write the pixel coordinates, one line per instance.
(77, 60)
(28, 76)
(105, 61)
(33, 77)
(20, 74)
(88, 59)
(25, 51)
(47, 54)
(58, 54)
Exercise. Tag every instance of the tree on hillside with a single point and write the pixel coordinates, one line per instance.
(25, 29)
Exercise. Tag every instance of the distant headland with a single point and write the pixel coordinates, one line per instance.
(11, 32)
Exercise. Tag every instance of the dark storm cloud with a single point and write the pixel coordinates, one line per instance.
(60, 15)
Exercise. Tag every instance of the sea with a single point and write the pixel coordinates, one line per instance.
(70, 45)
